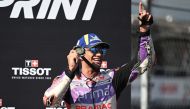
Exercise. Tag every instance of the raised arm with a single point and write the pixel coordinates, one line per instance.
(55, 93)
(141, 63)
(146, 53)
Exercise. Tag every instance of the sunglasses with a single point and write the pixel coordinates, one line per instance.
(95, 50)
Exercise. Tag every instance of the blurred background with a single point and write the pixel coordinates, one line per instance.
(167, 85)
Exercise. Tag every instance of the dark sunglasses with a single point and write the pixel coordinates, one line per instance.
(95, 50)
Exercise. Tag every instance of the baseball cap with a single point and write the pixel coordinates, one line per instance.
(91, 40)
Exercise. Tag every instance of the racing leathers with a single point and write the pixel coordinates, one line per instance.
(102, 91)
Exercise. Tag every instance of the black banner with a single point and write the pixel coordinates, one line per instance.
(36, 36)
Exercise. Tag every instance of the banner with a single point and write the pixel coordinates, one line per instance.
(37, 35)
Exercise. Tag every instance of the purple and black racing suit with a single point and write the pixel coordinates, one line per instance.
(79, 92)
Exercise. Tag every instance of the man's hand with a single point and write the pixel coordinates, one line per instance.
(48, 100)
(145, 18)
(73, 60)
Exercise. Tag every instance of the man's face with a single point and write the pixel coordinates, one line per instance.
(95, 55)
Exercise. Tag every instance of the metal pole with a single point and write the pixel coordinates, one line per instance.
(147, 4)
(144, 91)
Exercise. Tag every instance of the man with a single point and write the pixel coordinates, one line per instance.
(85, 86)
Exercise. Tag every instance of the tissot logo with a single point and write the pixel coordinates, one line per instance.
(31, 63)
(31, 71)
(70, 9)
